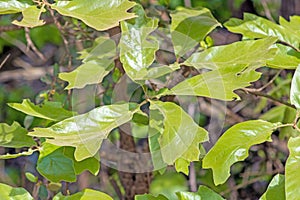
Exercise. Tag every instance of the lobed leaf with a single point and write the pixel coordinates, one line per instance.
(14, 136)
(285, 58)
(295, 89)
(189, 27)
(292, 165)
(254, 27)
(98, 14)
(233, 146)
(7, 193)
(48, 110)
(202, 193)
(87, 131)
(137, 47)
(97, 63)
(217, 84)
(86, 194)
(180, 137)
(31, 17)
(243, 53)
(275, 190)
(23, 153)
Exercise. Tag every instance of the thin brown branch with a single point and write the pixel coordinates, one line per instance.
(267, 10)
(116, 188)
(257, 93)
(4, 61)
(266, 85)
(31, 45)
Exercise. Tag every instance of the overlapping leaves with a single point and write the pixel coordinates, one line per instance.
(8, 192)
(97, 63)
(86, 194)
(233, 146)
(295, 89)
(87, 131)
(180, 135)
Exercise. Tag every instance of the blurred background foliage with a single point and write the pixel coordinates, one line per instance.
(16, 84)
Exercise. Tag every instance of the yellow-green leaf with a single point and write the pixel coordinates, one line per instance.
(31, 17)
(98, 14)
(13, 6)
(295, 89)
(12, 193)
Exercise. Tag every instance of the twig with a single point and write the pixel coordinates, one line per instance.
(4, 61)
(267, 10)
(266, 85)
(257, 93)
(116, 188)
(187, 3)
(192, 178)
(31, 45)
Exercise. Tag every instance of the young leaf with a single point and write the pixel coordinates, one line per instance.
(233, 146)
(244, 53)
(295, 89)
(189, 27)
(87, 131)
(13, 6)
(86, 194)
(54, 165)
(31, 17)
(7, 192)
(137, 48)
(217, 84)
(181, 136)
(49, 110)
(24, 153)
(14, 136)
(275, 190)
(254, 27)
(292, 165)
(98, 14)
(97, 63)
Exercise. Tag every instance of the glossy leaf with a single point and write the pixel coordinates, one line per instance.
(12, 193)
(243, 53)
(14, 136)
(86, 194)
(97, 63)
(189, 27)
(54, 165)
(23, 153)
(275, 190)
(49, 110)
(98, 14)
(217, 84)
(233, 146)
(150, 197)
(295, 89)
(87, 131)
(137, 48)
(31, 17)
(285, 58)
(181, 136)
(292, 165)
(253, 27)
(13, 6)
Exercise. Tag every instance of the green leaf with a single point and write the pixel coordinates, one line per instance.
(14, 136)
(137, 47)
(295, 89)
(208, 194)
(91, 164)
(292, 165)
(13, 6)
(181, 136)
(233, 146)
(149, 197)
(54, 165)
(10, 193)
(97, 63)
(31, 17)
(158, 71)
(275, 190)
(87, 131)
(86, 194)
(243, 53)
(254, 27)
(24, 153)
(49, 110)
(217, 84)
(99, 14)
(285, 58)
(189, 27)
(188, 196)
